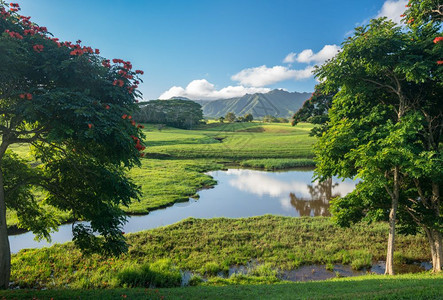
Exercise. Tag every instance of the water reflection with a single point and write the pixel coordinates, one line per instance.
(308, 199)
(317, 203)
(238, 194)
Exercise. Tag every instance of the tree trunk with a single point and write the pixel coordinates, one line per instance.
(392, 219)
(435, 234)
(435, 243)
(5, 252)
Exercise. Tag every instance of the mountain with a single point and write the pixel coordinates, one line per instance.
(277, 103)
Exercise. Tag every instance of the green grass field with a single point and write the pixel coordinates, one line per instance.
(410, 286)
(209, 246)
(232, 142)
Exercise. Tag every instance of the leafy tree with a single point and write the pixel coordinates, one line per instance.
(315, 110)
(230, 117)
(385, 127)
(73, 108)
(175, 112)
(248, 118)
(221, 119)
(270, 119)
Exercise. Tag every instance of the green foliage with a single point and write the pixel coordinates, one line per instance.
(248, 117)
(176, 113)
(230, 117)
(315, 110)
(421, 12)
(386, 116)
(70, 104)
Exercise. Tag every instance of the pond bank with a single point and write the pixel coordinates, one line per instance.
(209, 246)
(239, 193)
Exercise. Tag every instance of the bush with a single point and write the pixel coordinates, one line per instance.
(159, 274)
(211, 268)
(361, 259)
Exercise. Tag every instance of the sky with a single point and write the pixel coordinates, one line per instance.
(215, 48)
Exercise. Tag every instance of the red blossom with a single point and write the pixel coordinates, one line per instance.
(439, 62)
(22, 96)
(29, 96)
(13, 34)
(38, 48)
(124, 116)
(438, 39)
(97, 51)
(107, 107)
(139, 72)
(106, 63)
(90, 125)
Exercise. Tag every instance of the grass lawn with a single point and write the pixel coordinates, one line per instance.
(409, 286)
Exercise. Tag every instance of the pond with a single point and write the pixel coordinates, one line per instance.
(239, 193)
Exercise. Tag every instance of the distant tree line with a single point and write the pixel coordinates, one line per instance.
(273, 119)
(176, 113)
(231, 117)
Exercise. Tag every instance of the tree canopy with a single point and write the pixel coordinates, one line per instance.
(174, 112)
(73, 107)
(385, 127)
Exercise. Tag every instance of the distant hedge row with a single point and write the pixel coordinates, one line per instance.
(176, 113)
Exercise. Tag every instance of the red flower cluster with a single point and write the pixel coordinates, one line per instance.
(439, 62)
(138, 145)
(14, 34)
(124, 116)
(26, 96)
(438, 39)
(78, 50)
(90, 125)
(139, 72)
(106, 63)
(140, 126)
(118, 82)
(14, 7)
(4, 13)
(38, 48)
(25, 21)
(410, 21)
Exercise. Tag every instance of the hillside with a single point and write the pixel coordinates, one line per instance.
(277, 103)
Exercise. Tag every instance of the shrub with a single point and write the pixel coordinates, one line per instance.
(158, 274)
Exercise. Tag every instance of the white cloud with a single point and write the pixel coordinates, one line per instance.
(290, 58)
(308, 56)
(261, 76)
(392, 9)
(201, 89)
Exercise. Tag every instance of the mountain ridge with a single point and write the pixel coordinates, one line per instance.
(278, 103)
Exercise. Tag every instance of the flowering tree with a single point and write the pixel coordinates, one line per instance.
(73, 108)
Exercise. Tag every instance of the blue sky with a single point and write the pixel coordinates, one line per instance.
(214, 48)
